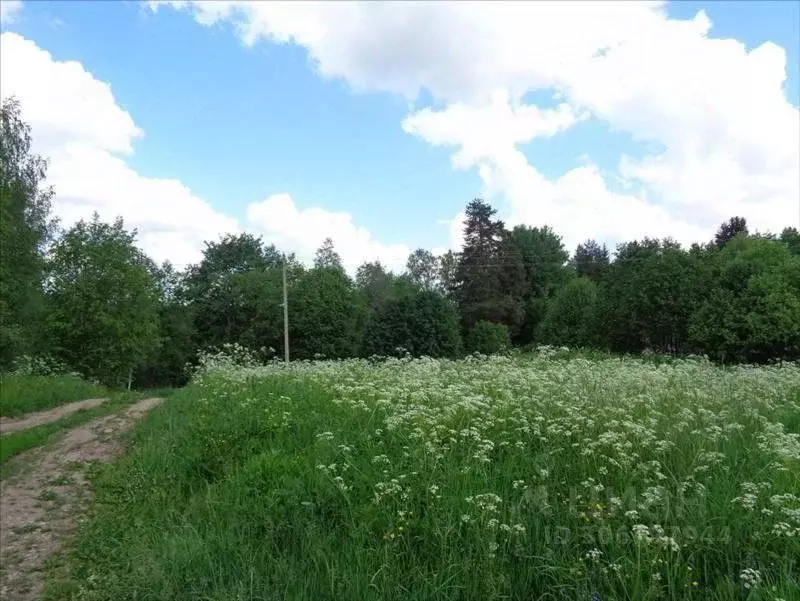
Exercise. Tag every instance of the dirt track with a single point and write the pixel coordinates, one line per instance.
(45, 417)
(41, 506)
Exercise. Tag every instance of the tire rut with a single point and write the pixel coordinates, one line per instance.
(40, 418)
(41, 507)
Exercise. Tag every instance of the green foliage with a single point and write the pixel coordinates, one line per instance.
(423, 269)
(326, 315)
(728, 230)
(648, 296)
(591, 260)
(109, 312)
(326, 257)
(104, 318)
(791, 237)
(234, 296)
(25, 393)
(244, 308)
(752, 313)
(490, 277)
(421, 322)
(232, 254)
(448, 273)
(26, 227)
(488, 338)
(167, 364)
(375, 283)
(544, 257)
(500, 479)
(570, 315)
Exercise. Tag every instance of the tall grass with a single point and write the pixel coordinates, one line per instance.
(508, 478)
(25, 393)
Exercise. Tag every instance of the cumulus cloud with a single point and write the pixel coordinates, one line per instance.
(77, 124)
(727, 139)
(303, 231)
(488, 131)
(9, 11)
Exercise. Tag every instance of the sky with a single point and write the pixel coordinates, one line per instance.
(375, 123)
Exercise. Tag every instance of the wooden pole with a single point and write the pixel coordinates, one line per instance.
(285, 316)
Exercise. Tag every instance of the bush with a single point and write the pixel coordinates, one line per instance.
(488, 338)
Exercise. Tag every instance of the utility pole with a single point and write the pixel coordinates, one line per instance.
(285, 317)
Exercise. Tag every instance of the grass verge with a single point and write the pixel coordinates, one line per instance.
(26, 394)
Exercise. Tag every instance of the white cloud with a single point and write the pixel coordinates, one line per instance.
(303, 230)
(458, 50)
(77, 124)
(490, 130)
(728, 140)
(487, 139)
(9, 11)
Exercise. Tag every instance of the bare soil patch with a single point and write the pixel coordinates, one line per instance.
(42, 505)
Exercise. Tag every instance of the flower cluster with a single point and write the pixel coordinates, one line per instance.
(612, 467)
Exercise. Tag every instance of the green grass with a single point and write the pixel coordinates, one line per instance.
(516, 479)
(17, 442)
(25, 394)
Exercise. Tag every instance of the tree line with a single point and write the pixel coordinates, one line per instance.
(90, 298)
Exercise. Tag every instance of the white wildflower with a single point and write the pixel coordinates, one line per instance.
(750, 578)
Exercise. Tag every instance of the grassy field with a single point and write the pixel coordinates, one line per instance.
(510, 478)
(21, 394)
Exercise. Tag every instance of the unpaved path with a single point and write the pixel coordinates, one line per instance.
(40, 507)
(45, 417)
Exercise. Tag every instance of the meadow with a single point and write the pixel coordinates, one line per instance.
(546, 476)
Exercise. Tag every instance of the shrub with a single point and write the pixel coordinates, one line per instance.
(488, 338)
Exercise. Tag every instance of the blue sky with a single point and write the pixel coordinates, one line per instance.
(238, 123)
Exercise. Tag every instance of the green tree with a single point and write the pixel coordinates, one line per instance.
(233, 254)
(374, 282)
(243, 308)
(421, 321)
(753, 311)
(327, 257)
(448, 270)
(234, 293)
(26, 227)
(648, 296)
(729, 229)
(422, 268)
(490, 278)
(167, 364)
(591, 260)
(104, 318)
(791, 238)
(544, 257)
(326, 315)
(570, 315)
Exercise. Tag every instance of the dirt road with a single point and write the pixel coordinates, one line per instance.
(46, 417)
(41, 506)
